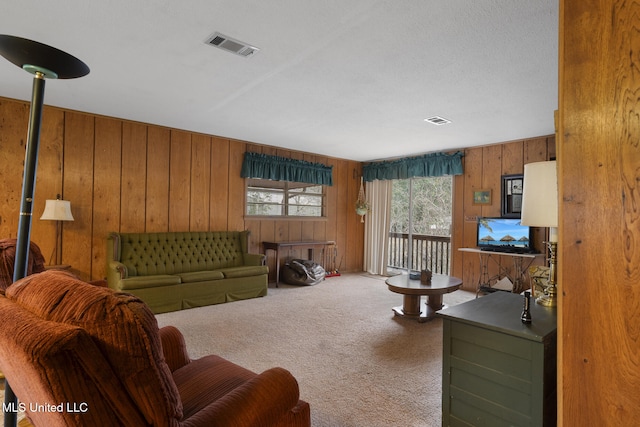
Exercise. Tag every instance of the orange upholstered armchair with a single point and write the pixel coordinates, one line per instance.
(35, 263)
(100, 359)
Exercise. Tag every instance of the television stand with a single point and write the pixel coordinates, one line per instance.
(521, 263)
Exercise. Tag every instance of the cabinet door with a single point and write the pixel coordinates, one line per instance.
(490, 378)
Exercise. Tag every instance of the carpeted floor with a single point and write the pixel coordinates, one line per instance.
(357, 364)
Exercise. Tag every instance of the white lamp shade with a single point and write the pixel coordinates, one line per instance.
(540, 195)
(57, 210)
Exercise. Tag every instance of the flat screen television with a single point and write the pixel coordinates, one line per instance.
(504, 234)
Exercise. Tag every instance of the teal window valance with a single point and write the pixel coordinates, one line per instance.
(277, 168)
(435, 164)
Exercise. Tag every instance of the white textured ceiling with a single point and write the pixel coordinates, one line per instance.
(353, 79)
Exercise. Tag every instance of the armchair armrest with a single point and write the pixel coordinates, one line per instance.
(261, 401)
(115, 272)
(118, 268)
(255, 259)
(174, 347)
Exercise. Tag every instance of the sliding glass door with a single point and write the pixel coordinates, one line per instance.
(420, 230)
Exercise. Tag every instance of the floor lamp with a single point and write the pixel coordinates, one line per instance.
(540, 209)
(43, 62)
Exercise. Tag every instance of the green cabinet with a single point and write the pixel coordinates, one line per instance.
(497, 371)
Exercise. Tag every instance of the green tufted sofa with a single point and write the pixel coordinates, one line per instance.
(174, 271)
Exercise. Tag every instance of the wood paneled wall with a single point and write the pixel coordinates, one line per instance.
(599, 230)
(483, 169)
(133, 177)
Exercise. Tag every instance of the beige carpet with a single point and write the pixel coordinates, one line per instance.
(357, 364)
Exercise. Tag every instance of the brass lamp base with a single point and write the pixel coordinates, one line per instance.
(550, 298)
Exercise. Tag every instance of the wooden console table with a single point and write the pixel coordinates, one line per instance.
(310, 244)
(520, 264)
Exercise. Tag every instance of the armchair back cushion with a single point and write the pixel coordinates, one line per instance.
(31, 343)
(121, 328)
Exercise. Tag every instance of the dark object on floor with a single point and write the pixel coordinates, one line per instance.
(302, 272)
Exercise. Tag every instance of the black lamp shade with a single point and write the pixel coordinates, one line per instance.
(33, 56)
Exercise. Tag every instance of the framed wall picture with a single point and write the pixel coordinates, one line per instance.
(482, 197)
(512, 195)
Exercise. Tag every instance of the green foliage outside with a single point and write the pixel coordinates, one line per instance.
(432, 206)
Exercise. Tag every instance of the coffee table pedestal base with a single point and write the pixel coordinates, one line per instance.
(414, 308)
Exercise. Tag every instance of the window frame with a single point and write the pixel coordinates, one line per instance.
(288, 191)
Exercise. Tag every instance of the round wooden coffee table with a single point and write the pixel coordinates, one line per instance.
(412, 290)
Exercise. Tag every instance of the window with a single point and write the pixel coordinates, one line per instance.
(422, 206)
(282, 198)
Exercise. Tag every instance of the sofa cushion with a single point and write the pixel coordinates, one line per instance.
(236, 396)
(254, 270)
(123, 328)
(201, 276)
(141, 282)
(221, 376)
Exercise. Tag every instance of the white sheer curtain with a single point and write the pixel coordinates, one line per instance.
(377, 222)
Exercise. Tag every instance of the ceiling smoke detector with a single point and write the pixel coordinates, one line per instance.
(231, 45)
(437, 120)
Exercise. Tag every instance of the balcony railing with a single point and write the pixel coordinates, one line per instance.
(429, 252)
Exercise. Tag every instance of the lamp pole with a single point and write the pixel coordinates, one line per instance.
(41, 61)
(26, 210)
(29, 178)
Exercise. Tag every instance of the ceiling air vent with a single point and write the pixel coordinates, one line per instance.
(231, 45)
(437, 120)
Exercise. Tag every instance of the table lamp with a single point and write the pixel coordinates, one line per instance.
(57, 210)
(42, 61)
(540, 209)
